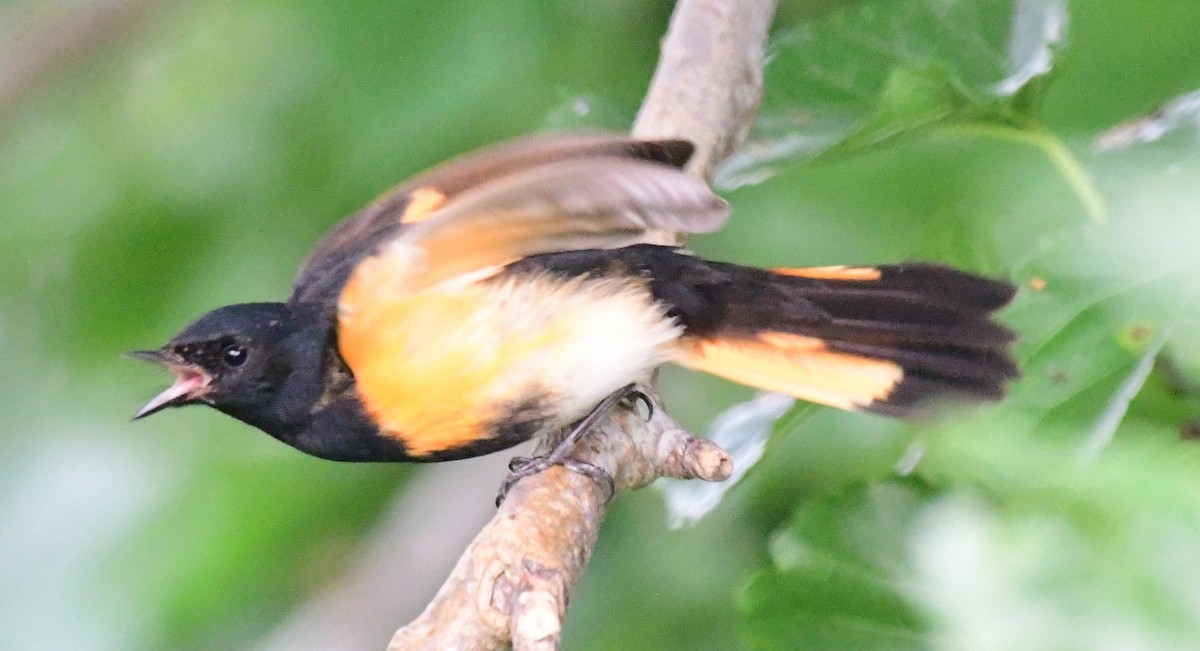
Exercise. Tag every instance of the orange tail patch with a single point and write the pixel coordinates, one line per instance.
(832, 273)
(796, 365)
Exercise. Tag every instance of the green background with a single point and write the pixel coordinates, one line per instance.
(189, 154)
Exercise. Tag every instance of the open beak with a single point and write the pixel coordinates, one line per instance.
(190, 382)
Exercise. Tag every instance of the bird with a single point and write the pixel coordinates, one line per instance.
(522, 290)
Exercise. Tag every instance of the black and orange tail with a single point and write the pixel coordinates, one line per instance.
(887, 339)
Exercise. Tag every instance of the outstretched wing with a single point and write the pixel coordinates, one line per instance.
(491, 180)
(589, 203)
(441, 361)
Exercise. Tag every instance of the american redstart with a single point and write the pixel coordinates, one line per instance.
(512, 292)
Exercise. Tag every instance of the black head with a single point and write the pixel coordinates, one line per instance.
(229, 359)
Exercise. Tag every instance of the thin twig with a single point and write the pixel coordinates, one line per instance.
(512, 584)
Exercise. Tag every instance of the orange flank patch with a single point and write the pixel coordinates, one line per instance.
(795, 365)
(422, 203)
(419, 385)
(438, 368)
(832, 273)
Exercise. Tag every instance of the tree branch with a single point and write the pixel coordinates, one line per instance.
(513, 582)
(708, 83)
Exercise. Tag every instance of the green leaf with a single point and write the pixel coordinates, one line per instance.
(863, 76)
(910, 99)
(838, 576)
(1030, 579)
(1063, 553)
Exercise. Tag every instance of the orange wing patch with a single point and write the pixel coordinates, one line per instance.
(833, 273)
(795, 365)
(422, 203)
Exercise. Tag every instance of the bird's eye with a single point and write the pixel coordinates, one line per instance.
(233, 354)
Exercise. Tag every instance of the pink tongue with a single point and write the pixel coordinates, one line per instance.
(189, 381)
(186, 383)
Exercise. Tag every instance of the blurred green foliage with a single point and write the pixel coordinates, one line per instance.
(192, 158)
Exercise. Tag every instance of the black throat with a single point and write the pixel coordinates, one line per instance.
(309, 399)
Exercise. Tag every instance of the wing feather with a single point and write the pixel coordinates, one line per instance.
(480, 166)
(365, 233)
(591, 203)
